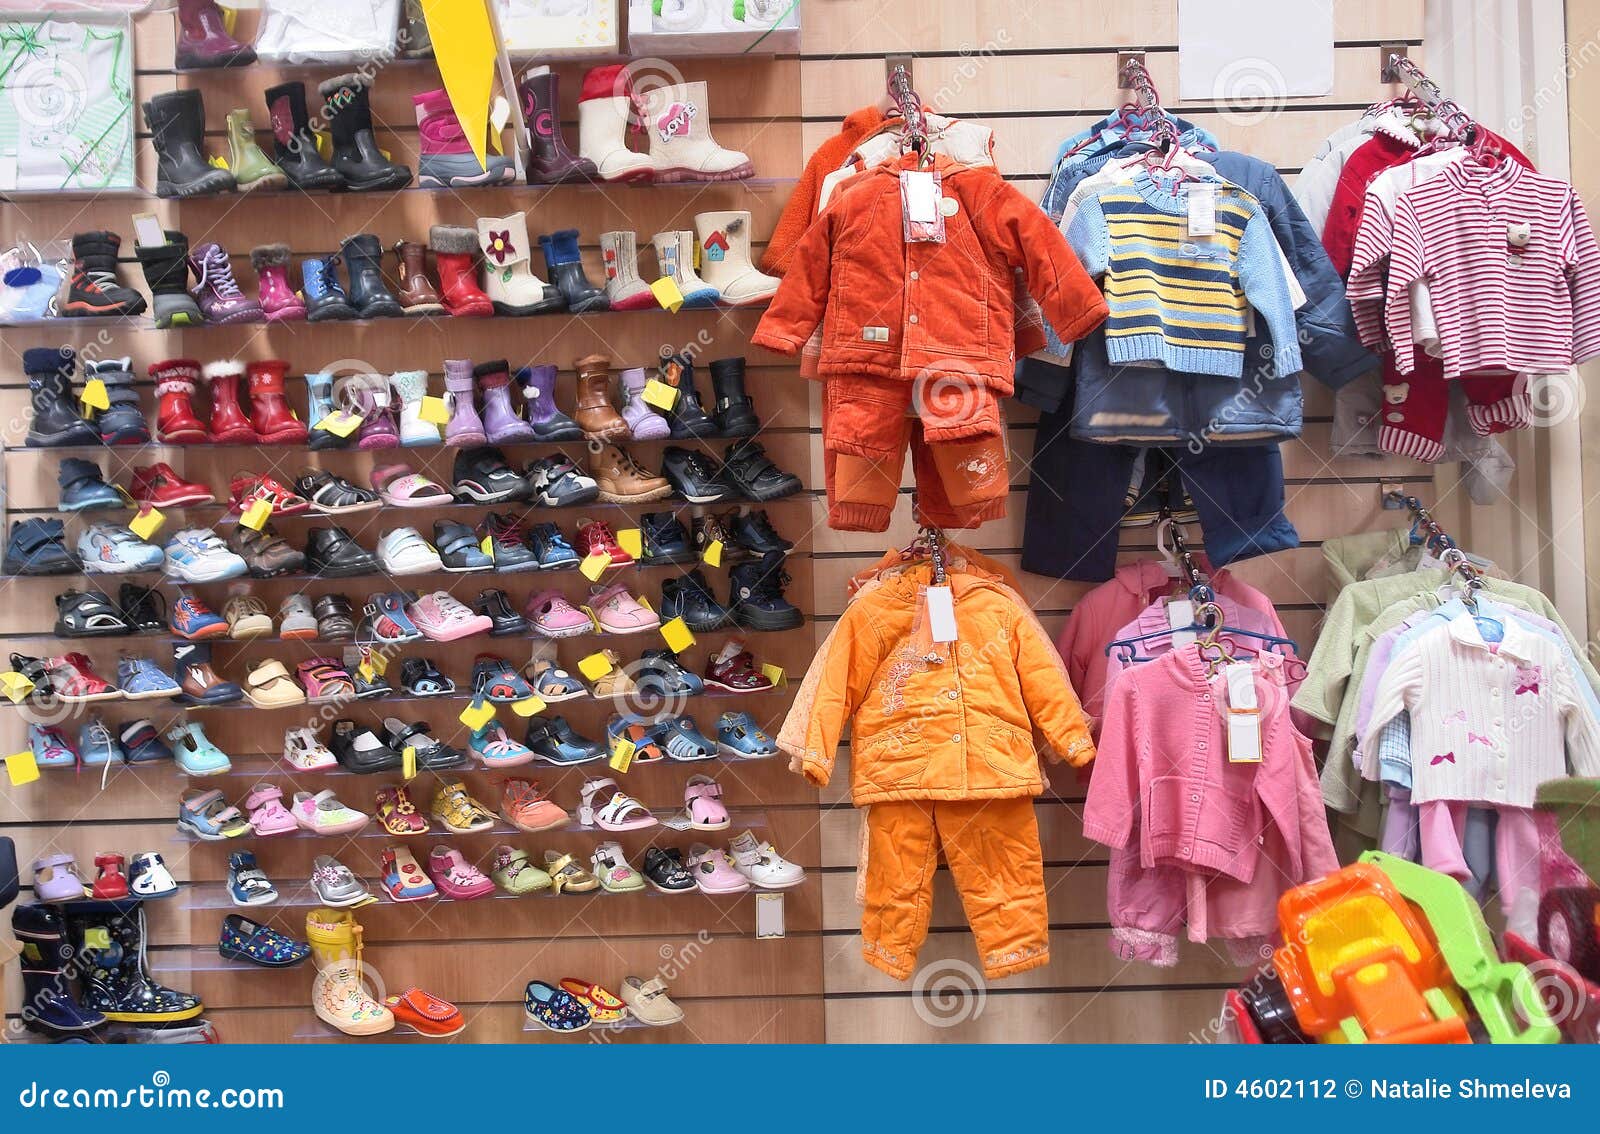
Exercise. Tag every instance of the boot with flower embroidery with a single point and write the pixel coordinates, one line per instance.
(337, 995)
(508, 276)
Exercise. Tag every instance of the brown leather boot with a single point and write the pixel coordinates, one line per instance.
(622, 481)
(416, 293)
(595, 414)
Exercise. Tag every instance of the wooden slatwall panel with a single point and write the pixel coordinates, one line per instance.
(1037, 73)
(733, 987)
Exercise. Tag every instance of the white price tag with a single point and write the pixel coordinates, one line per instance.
(1202, 210)
(922, 204)
(1244, 715)
(942, 614)
(1180, 616)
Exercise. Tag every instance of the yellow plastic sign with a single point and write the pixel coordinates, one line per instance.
(257, 515)
(366, 671)
(22, 768)
(667, 293)
(677, 635)
(660, 395)
(378, 662)
(434, 410)
(593, 566)
(477, 714)
(465, 48)
(147, 523)
(15, 685)
(528, 706)
(94, 394)
(713, 555)
(631, 540)
(408, 762)
(339, 423)
(595, 666)
(621, 755)
(773, 673)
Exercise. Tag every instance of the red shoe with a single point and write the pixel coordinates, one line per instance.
(270, 415)
(429, 1015)
(176, 423)
(734, 670)
(111, 882)
(74, 680)
(595, 537)
(159, 486)
(229, 425)
(247, 488)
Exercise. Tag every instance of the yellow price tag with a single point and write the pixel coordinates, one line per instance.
(631, 540)
(660, 395)
(434, 410)
(595, 565)
(256, 515)
(378, 662)
(16, 686)
(94, 394)
(677, 635)
(366, 671)
(621, 755)
(408, 762)
(528, 706)
(339, 423)
(713, 555)
(22, 768)
(147, 523)
(644, 602)
(667, 293)
(773, 673)
(477, 714)
(595, 666)
(487, 546)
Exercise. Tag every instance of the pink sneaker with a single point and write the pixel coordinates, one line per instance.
(619, 612)
(553, 616)
(444, 619)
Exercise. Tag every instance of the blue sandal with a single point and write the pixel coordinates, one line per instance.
(554, 1008)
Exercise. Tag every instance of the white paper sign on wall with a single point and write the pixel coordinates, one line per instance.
(1250, 55)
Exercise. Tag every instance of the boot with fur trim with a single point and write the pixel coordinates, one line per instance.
(454, 250)
(176, 422)
(229, 425)
(605, 110)
(279, 301)
(270, 415)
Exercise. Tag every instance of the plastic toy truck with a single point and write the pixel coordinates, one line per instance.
(1569, 874)
(1387, 951)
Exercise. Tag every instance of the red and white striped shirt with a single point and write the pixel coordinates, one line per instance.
(1512, 269)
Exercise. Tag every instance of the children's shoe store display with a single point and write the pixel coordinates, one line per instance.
(475, 513)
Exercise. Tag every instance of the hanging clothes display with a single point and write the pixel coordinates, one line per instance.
(943, 754)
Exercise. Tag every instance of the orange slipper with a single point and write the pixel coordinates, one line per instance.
(429, 1015)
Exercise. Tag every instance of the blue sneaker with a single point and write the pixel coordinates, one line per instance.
(96, 744)
(494, 749)
(84, 489)
(38, 546)
(143, 744)
(142, 680)
(740, 738)
(193, 619)
(111, 549)
(659, 672)
(551, 548)
(51, 748)
(554, 741)
(665, 539)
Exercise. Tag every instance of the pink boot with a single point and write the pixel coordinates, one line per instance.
(278, 298)
(446, 160)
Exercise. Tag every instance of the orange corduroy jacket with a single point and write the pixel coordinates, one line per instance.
(923, 310)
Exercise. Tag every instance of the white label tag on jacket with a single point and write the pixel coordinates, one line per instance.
(922, 205)
(941, 614)
(1244, 714)
(1202, 210)
(1180, 616)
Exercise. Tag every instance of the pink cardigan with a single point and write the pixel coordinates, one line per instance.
(1163, 760)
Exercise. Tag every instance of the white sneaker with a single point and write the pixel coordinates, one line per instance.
(403, 551)
(764, 867)
(303, 752)
(198, 555)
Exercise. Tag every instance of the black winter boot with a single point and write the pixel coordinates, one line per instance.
(124, 422)
(735, 413)
(166, 270)
(177, 121)
(95, 290)
(48, 1004)
(687, 417)
(294, 145)
(564, 267)
(56, 421)
(363, 259)
(355, 151)
(116, 977)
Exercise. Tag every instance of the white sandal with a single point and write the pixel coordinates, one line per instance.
(303, 752)
(622, 813)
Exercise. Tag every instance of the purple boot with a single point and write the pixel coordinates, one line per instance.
(646, 423)
(465, 428)
(203, 39)
(500, 420)
(216, 291)
(380, 423)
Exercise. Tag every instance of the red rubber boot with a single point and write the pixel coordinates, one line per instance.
(176, 423)
(229, 425)
(455, 251)
(269, 408)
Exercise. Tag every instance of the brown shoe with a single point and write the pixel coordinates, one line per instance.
(595, 414)
(266, 553)
(202, 686)
(416, 293)
(622, 481)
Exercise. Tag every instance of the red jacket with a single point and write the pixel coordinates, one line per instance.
(923, 310)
